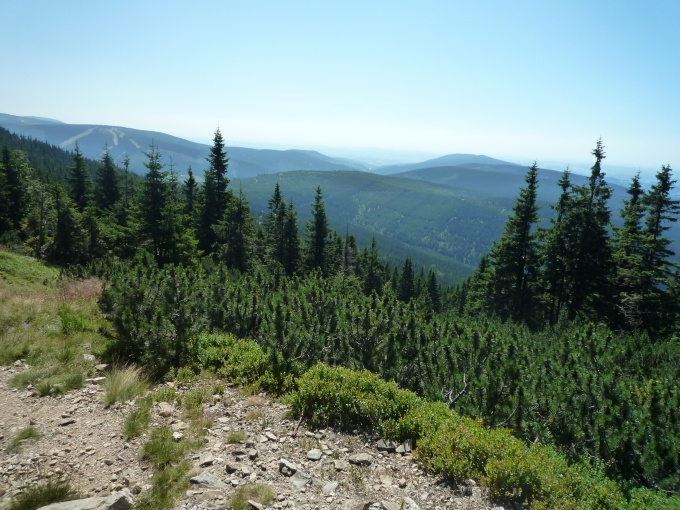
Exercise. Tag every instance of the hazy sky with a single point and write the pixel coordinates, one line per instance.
(515, 80)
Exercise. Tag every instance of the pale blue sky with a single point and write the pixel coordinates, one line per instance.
(516, 80)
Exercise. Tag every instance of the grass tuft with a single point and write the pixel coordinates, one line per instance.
(41, 495)
(124, 384)
(258, 493)
(236, 437)
(138, 420)
(23, 435)
(162, 450)
(167, 485)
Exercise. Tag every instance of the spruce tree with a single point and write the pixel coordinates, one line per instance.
(317, 236)
(407, 284)
(69, 245)
(514, 259)
(291, 241)
(152, 202)
(628, 253)
(80, 184)
(433, 291)
(190, 187)
(557, 251)
(215, 196)
(107, 189)
(658, 269)
(591, 270)
(17, 172)
(236, 235)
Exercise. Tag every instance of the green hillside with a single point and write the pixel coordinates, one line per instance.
(438, 226)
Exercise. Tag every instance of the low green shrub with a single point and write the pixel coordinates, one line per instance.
(350, 399)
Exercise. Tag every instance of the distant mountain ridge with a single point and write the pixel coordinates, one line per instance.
(122, 141)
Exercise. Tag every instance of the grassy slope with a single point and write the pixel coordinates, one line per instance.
(49, 322)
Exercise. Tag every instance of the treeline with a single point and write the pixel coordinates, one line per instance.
(74, 216)
(581, 267)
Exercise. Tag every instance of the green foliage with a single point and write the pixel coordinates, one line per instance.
(161, 450)
(137, 421)
(350, 400)
(167, 485)
(40, 495)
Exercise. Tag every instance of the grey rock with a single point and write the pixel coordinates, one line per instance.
(287, 468)
(206, 479)
(206, 459)
(329, 487)
(67, 421)
(361, 459)
(164, 409)
(231, 468)
(177, 436)
(385, 445)
(341, 465)
(255, 504)
(271, 436)
(387, 505)
(409, 504)
(300, 479)
(314, 454)
(117, 501)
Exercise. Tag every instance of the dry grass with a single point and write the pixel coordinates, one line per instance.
(123, 384)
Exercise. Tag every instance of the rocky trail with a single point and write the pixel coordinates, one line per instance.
(251, 441)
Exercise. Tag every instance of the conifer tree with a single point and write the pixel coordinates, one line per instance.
(371, 269)
(514, 259)
(17, 171)
(657, 267)
(591, 269)
(433, 291)
(152, 202)
(557, 251)
(68, 245)
(291, 241)
(407, 284)
(190, 186)
(5, 218)
(628, 253)
(107, 190)
(215, 196)
(236, 235)
(80, 184)
(317, 236)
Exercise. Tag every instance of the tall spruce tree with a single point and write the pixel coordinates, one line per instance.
(69, 244)
(557, 251)
(152, 203)
(658, 269)
(291, 241)
(215, 196)
(628, 253)
(590, 271)
(79, 182)
(317, 236)
(107, 189)
(514, 259)
(17, 172)
(407, 283)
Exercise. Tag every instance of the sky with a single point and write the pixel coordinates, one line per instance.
(516, 80)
